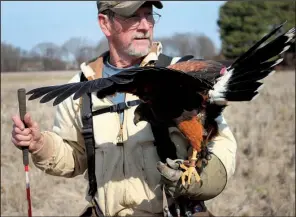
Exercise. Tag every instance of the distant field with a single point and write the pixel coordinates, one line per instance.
(263, 184)
(35, 78)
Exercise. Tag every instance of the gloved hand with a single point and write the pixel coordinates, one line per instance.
(170, 177)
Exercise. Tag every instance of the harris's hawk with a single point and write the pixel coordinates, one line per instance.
(189, 94)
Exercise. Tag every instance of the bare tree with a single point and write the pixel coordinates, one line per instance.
(85, 54)
(181, 44)
(10, 58)
(74, 46)
(206, 46)
(47, 49)
(51, 56)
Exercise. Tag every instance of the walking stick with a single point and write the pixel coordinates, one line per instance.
(22, 110)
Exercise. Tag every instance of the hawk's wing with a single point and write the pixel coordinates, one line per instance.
(241, 80)
(146, 83)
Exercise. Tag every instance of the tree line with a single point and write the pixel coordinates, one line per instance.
(240, 24)
(49, 56)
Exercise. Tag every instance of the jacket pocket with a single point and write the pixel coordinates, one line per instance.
(152, 176)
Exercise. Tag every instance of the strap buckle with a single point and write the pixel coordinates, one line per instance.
(87, 132)
(120, 107)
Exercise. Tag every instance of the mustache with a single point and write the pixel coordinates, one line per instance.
(142, 36)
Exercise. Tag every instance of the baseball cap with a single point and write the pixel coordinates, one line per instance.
(124, 8)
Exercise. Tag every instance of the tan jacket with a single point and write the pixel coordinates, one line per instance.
(127, 178)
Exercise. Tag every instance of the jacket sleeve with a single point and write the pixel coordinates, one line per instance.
(63, 152)
(224, 146)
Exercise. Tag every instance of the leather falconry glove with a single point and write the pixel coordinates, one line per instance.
(170, 177)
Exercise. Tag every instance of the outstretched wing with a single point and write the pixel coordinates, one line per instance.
(240, 82)
(146, 83)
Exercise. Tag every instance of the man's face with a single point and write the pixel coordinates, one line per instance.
(133, 35)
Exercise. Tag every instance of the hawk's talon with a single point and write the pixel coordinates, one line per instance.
(189, 172)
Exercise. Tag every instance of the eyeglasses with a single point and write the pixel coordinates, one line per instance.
(135, 20)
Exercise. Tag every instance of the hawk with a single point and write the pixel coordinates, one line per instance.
(189, 95)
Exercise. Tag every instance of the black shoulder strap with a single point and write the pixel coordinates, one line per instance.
(87, 132)
(163, 60)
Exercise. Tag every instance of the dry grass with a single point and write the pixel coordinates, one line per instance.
(263, 185)
(51, 196)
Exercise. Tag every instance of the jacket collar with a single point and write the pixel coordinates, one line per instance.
(93, 69)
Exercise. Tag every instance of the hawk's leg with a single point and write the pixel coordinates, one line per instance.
(193, 130)
(191, 170)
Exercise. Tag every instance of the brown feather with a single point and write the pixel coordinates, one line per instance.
(193, 131)
(189, 66)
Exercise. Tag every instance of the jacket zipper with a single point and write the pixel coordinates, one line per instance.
(119, 139)
(120, 135)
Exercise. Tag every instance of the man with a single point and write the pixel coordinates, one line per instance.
(128, 172)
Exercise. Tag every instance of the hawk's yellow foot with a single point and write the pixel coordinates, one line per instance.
(189, 172)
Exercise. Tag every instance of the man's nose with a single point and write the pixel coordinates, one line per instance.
(144, 24)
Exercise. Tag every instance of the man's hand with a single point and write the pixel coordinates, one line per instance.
(171, 174)
(30, 137)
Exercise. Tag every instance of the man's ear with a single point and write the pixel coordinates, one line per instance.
(104, 23)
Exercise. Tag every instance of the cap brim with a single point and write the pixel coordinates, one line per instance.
(157, 4)
(128, 8)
